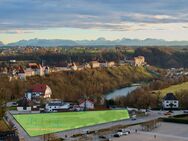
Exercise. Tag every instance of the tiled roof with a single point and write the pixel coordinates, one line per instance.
(39, 88)
(89, 100)
(170, 96)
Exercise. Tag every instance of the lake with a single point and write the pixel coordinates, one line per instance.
(122, 92)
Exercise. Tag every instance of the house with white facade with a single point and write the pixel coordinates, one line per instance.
(170, 101)
(38, 91)
(94, 64)
(86, 103)
(57, 105)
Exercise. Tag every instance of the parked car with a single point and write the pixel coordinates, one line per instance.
(104, 138)
(117, 135)
(125, 131)
(167, 113)
(122, 132)
(185, 111)
(133, 117)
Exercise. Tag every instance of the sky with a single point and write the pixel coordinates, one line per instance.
(91, 19)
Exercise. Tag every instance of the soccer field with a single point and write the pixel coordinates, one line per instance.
(39, 124)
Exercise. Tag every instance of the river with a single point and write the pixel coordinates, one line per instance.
(122, 92)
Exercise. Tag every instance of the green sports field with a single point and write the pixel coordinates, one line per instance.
(39, 124)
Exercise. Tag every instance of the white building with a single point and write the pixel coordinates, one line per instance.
(88, 104)
(39, 90)
(95, 64)
(57, 105)
(170, 101)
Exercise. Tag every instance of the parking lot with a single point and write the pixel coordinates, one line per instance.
(165, 132)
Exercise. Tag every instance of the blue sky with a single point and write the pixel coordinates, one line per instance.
(90, 19)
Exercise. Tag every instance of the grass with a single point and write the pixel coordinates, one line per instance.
(39, 124)
(174, 88)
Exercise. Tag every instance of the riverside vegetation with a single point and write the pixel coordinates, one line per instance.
(71, 86)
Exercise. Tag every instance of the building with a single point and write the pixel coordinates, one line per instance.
(94, 64)
(104, 64)
(8, 136)
(88, 104)
(72, 66)
(111, 64)
(170, 101)
(38, 91)
(57, 105)
(139, 61)
(20, 73)
(38, 69)
(29, 72)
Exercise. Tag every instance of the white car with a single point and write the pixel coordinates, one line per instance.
(123, 132)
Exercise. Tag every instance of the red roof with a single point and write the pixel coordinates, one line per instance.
(83, 100)
(34, 66)
(19, 69)
(39, 88)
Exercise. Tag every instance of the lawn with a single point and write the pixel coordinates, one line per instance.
(175, 88)
(39, 124)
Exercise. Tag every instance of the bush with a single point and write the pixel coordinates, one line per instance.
(175, 120)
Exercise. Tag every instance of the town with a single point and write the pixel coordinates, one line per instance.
(93, 70)
(40, 98)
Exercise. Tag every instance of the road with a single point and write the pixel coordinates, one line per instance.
(24, 135)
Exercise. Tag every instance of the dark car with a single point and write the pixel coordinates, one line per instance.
(117, 135)
(102, 137)
(185, 111)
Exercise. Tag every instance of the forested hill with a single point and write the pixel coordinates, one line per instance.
(164, 57)
(73, 85)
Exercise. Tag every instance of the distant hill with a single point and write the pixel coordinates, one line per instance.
(99, 41)
(43, 43)
(1, 44)
(164, 57)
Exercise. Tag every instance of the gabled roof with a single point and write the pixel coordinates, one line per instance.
(33, 66)
(170, 96)
(39, 88)
(83, 100)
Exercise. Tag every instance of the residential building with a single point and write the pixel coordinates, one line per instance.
(38, 91)
(86, 103)
(139, 61)
(38, 69)
(57, 105)
(170, 101)
(94, 64)
(104, 64)
(73, 66)
(8, 136)
(111, 64)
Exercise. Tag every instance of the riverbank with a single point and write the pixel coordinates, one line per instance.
(121, 92)
(71, 86)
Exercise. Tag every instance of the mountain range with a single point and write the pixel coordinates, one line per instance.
(99, 41)
(1, 43)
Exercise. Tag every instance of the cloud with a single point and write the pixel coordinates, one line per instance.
(15, 31)
(122, 15)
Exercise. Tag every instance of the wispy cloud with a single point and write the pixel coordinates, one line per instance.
(122, 15)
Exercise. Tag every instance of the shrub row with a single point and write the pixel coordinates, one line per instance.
(175, 120)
